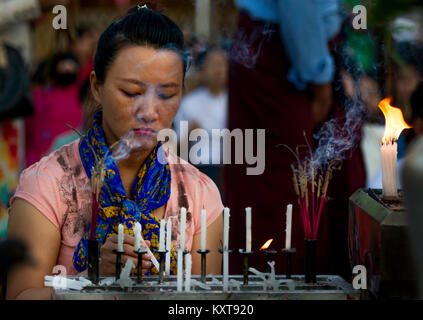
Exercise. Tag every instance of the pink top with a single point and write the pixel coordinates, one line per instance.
(58, 187)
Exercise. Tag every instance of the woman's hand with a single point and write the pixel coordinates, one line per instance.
(108, 257)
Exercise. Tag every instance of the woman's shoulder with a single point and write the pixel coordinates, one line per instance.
(63, 160)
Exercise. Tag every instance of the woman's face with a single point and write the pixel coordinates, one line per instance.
(140, 95)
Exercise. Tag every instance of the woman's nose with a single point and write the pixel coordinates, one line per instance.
(147, 109)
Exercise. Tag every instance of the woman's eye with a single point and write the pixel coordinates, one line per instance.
(131, 94)
(164, 96)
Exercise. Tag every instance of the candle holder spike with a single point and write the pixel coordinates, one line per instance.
(162, 254)
(119, 263)
(140, 253)
(289, 253)
(203, 264)
(246, 254)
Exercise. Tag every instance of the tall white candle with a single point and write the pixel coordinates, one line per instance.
(183, 227)
(168, 245)
(288, 226)
(188, 264)
(137, 235)
(225, 228)
(162, 235)
(179, 276)
(389, 169)
(248, 229)
(203, 229)
(120, 237)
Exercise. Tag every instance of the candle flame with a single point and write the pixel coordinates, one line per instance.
(266, 244)
(394, 121)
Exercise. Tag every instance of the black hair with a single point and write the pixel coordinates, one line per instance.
(140, 26)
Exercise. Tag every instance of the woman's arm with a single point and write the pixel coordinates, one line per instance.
(42, 239)
(214, 243)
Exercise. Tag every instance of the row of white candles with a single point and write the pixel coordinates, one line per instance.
(138, 237)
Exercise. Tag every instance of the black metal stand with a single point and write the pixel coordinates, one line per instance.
(93, 261)
(162, 265)
(289, 253)
(119, 263)
(203, 264)
(246, 255)
(310, 260)
(269, 257)
(140, 253)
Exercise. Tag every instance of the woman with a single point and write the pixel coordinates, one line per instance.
(137, 82)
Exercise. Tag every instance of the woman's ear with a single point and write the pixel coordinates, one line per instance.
(95, 87)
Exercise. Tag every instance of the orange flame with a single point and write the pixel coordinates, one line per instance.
(394, 121)
(266, 244)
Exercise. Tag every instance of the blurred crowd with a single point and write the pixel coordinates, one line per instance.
(46, 104)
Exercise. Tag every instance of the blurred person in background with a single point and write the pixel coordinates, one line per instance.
(206, 108)
(280, 79)
(16, 59)
(84, 48)
(54, 105)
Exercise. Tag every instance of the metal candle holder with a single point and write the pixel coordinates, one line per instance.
(140, 253)
(93, 261)
(246, 255)
(289, 253)
(203, 264)
(162, 254)
(269, 255)
(119, 262)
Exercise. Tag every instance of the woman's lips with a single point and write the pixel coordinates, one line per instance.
(144, 131)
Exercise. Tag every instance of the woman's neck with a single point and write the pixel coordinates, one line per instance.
(129, 167)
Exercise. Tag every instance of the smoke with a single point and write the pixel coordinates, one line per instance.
(124, 146)
(244, 51)
(339, 136)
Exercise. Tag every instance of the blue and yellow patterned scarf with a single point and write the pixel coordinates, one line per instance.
(151, 190)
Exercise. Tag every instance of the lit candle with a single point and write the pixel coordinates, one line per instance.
(168, 245)
(248, 229)
(162, 236)
(179, 267)
(120, 237)
(183, 227)
(137, 234)
(389, 169)
(188, 264)
(203, 229)
(288, 226)
(394, 124)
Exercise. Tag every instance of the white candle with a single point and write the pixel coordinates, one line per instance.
(188, 264)
(203, 229)
(179, 267)
(162, 236)
(389, 169)
(288, 226)
(248, 229)
(120, 237)
(168, 245)
(225, 248)
(225, 229)
(183, 227)
(137, 234)
(225, 270)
